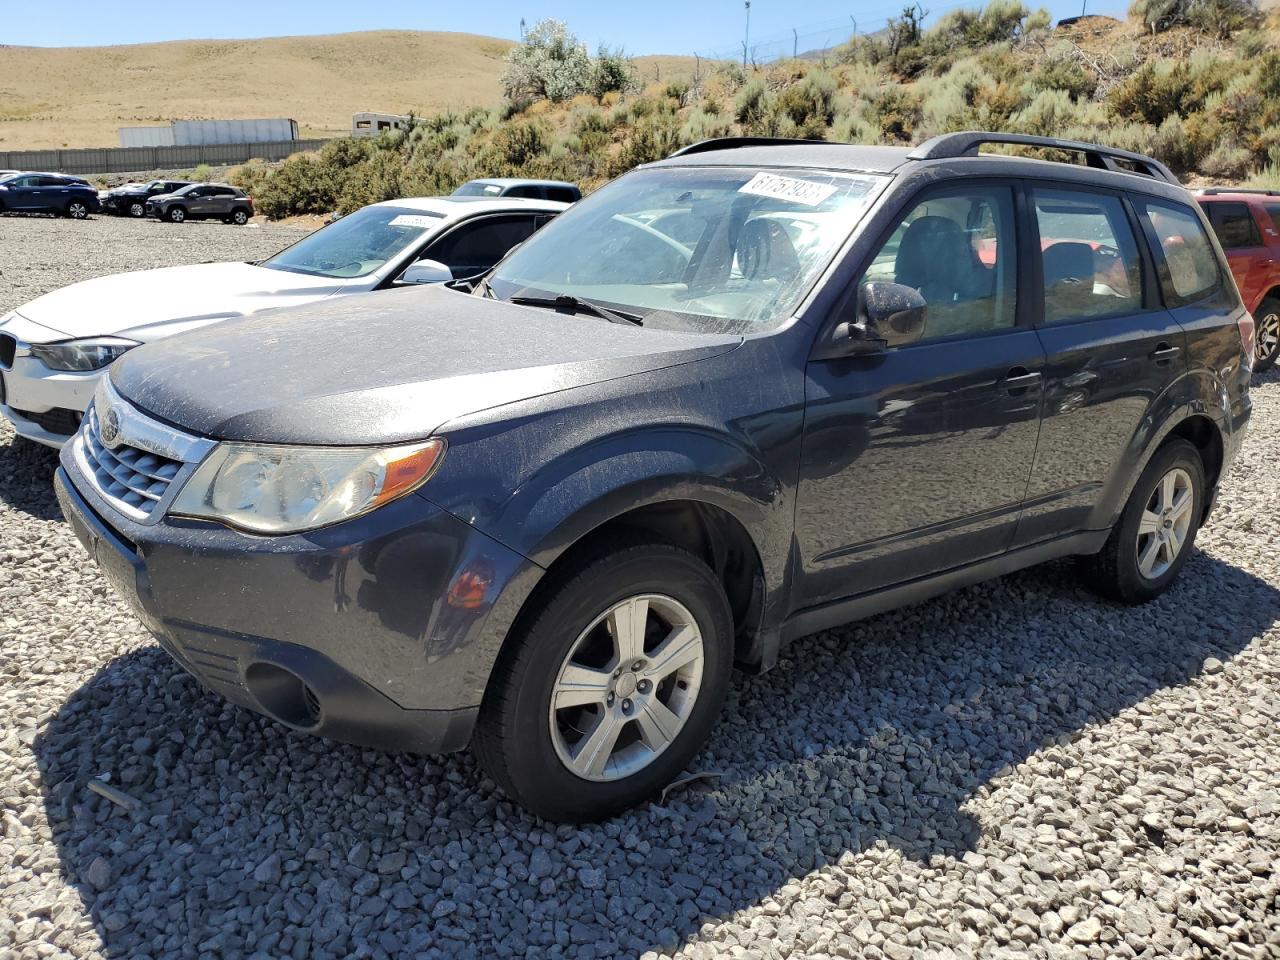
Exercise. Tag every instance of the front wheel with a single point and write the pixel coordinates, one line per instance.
(1267, 343)
(1151, 541)
(613, 684)
(176, 215)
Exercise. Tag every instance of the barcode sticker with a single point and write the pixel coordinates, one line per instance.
(788, 188)
(414, 220)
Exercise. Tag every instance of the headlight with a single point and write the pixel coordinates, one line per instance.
(80, 354)
(270, 489)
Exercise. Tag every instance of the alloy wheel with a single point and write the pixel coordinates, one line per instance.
(1267, 338)
(136, 209)
(1165, 523)
(77, 211)
(626, 687)
(240, 217)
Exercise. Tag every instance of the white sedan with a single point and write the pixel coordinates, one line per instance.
(53, 349)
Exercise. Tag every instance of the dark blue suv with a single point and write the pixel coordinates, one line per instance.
(737, 396)
(54, 193)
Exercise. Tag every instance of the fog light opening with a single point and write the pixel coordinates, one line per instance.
(283, 694)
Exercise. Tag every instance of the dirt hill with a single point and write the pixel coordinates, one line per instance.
(78, 96)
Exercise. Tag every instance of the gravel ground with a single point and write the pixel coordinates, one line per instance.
(1017, 769)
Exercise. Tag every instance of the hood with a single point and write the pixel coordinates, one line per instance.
(148, 304)
(385, 367)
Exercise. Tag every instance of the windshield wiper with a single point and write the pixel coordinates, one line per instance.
(567, 301)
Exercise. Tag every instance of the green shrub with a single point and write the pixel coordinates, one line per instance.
(1218, 17)
(896, 111)
(1063, 73)
(752, 106)
(1227, 162)
(809, 103)
(249, 176)
(1268, 178)
(612, 72)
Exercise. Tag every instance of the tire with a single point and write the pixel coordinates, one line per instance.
(239, 217)
(1117, 571)
(175, 214)
(137, 209)
(78, 210)
(526, 746)
(1267, 335)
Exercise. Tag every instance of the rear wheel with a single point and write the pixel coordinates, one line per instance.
(176, 214)
(1152, 539)
(78, 210)
(137, 208)
(613, 685)
(1267, 335)
(239, 217)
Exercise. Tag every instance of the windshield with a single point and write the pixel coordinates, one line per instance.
(708, 249)
(478, 188)
(358, 244)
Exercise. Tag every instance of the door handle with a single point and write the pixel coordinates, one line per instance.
(1019, 380)
(1164, 353)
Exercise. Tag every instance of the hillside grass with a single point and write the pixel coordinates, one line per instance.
(1207, 105)
(79, 96)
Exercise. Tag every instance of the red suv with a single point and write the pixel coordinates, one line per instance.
(1247, 223)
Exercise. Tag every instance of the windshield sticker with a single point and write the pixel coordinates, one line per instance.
(787, 188)
(420, 220)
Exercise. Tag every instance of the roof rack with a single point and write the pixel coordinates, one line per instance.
(1216, 191)
(732, 143)
(1104, 158)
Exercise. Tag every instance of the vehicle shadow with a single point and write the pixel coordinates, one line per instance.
(878, 734)
(26, 475)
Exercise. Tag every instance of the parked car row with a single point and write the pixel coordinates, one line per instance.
(751, 391)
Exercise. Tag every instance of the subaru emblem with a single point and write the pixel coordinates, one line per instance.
(110, 426)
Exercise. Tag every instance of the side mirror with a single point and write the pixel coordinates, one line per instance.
(892, 312)
(888, 315)
(427, 271)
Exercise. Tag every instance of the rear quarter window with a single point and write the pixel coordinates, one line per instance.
(1188, 264)
(1234, 225)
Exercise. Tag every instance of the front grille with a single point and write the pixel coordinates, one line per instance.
(8, 347)
(129, 477)
(59, 420)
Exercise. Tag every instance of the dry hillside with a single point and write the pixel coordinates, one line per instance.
(78, 96)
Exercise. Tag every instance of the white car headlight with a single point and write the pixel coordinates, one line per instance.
(81, 354)
(272, 489)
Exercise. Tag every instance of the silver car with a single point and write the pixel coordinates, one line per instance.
(53, 349)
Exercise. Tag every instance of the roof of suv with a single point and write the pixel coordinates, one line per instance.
(955, 152)
(1236, 194)
(523, 182)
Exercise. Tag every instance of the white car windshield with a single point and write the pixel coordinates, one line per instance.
(710, 249)
(358, 244)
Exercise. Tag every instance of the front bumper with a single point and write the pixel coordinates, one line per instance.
(379, 631)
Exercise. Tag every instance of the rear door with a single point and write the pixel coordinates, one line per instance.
(1196, 289)
(1241, 239)
(1112, 349)
(915, 459)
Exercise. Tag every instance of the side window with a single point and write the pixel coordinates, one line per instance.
(50, 182)
(1090, 256)
(1189, 269)
(476, 246)
(561, 195)
(1273, 211)
(532, 193)
(957, 249)
(1234, 225)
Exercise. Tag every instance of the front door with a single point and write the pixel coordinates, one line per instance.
(915, 459)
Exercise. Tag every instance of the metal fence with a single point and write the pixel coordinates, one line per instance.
(143, 159)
